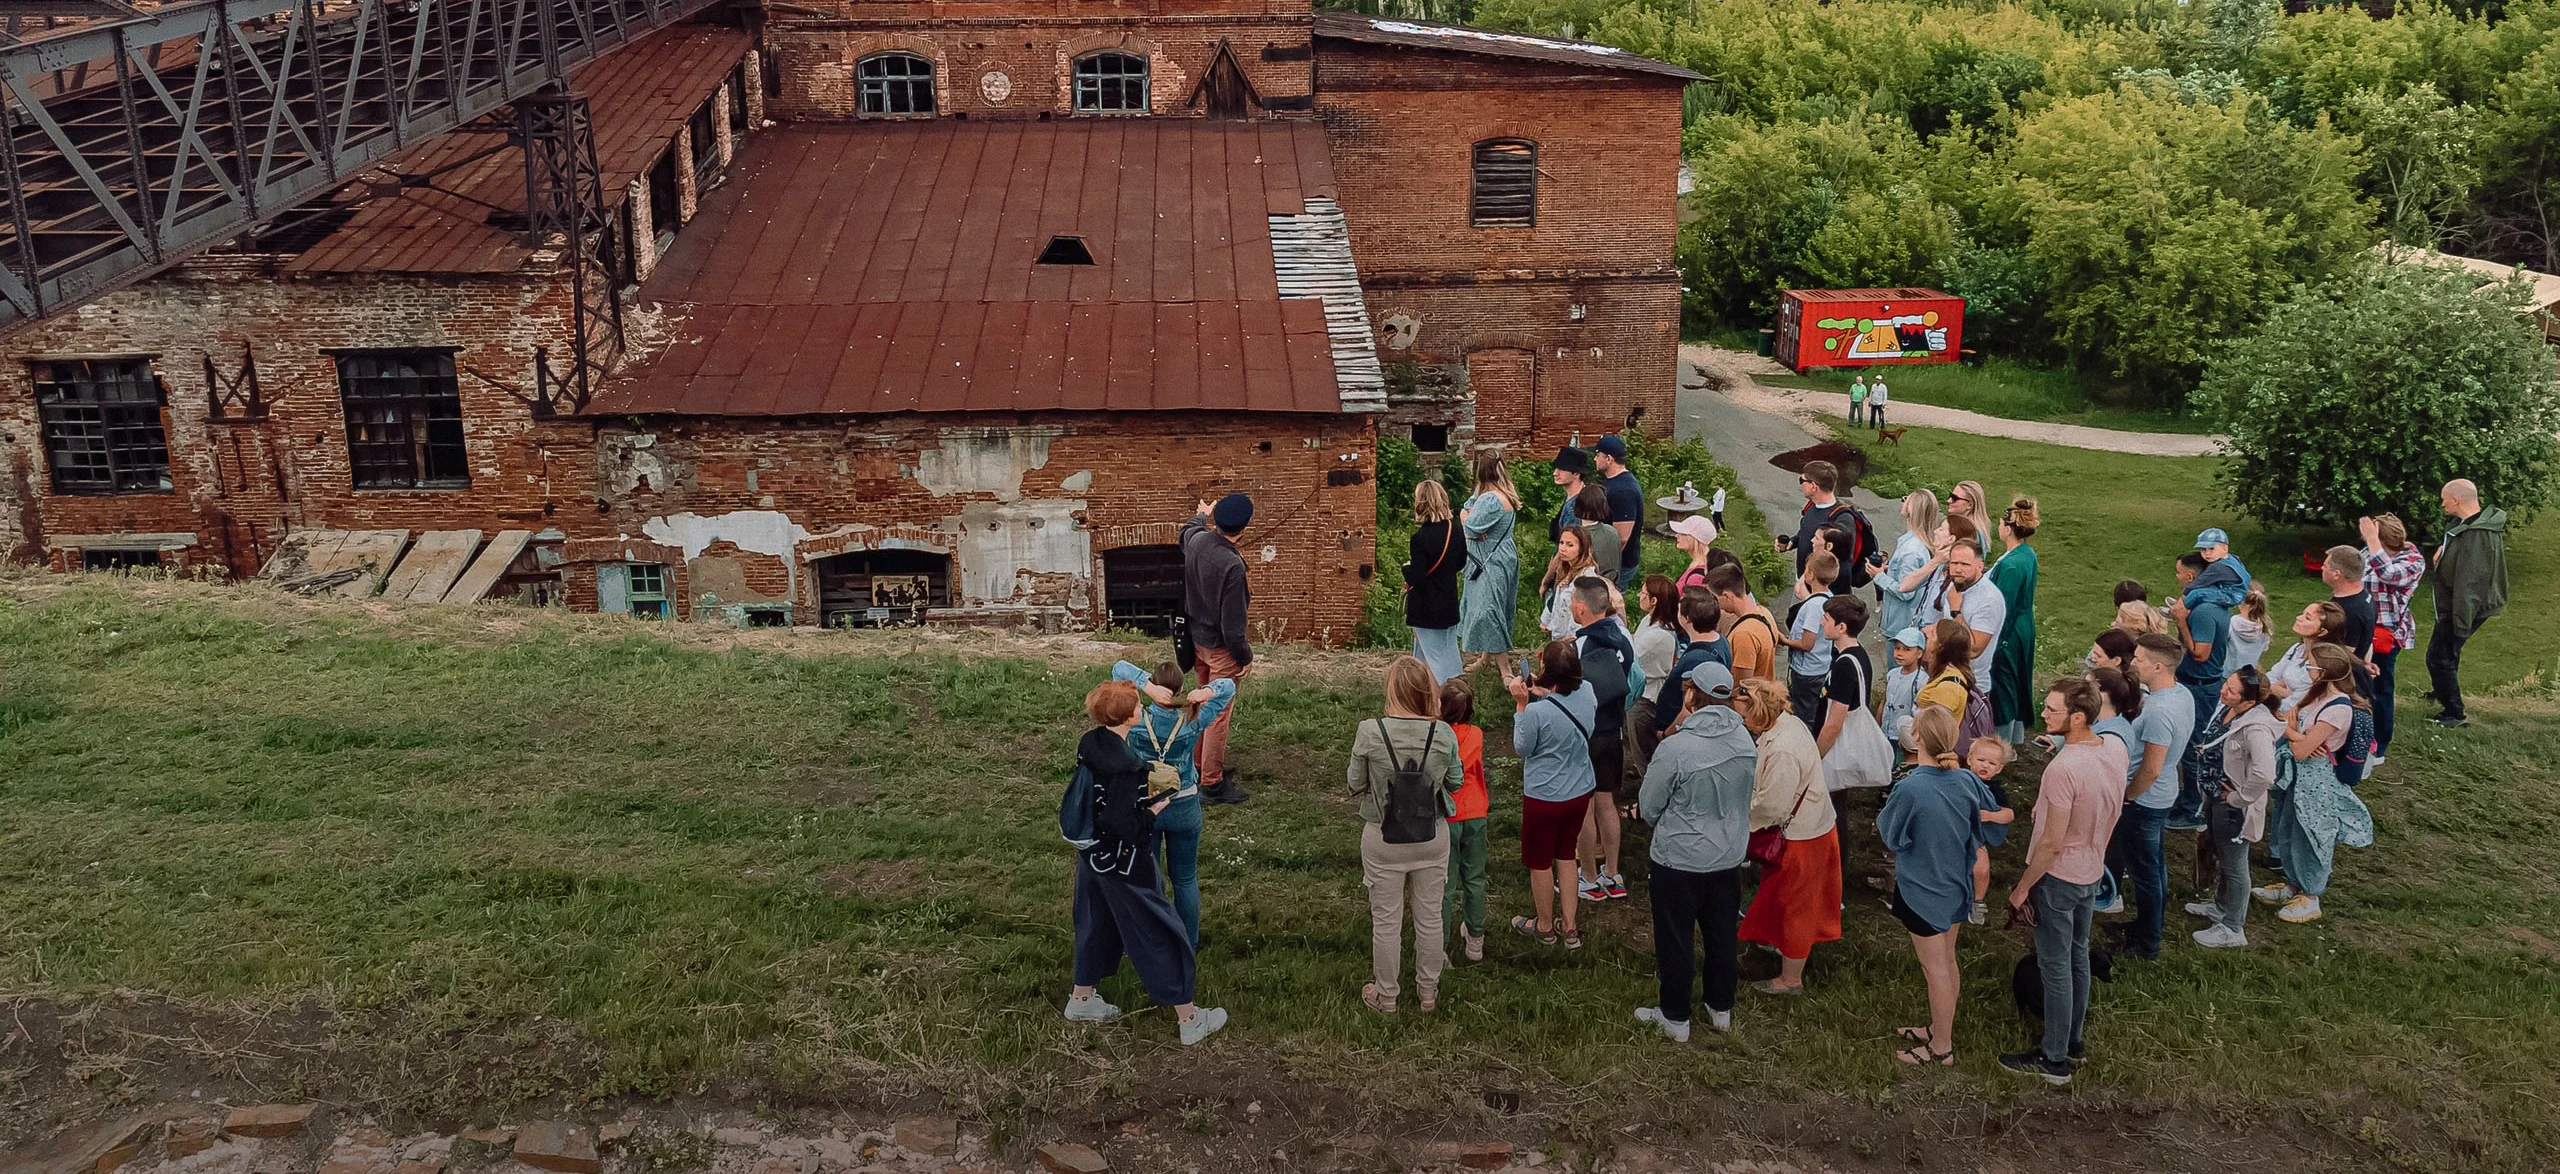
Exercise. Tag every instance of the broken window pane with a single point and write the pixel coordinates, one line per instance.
(404, 419)
(1111, 83)
(648, 590)
(1506, 184)
(102, 430)
(895, 85)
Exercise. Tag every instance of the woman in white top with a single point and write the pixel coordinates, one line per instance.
(1572, 561)
(2320, 623)
(1657, 643)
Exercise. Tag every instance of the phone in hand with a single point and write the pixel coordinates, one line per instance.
(1785, 541)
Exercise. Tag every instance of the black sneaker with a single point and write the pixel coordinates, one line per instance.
(1223, 794)
(2450, 720)
(2079, 1052)
(2034, 1064)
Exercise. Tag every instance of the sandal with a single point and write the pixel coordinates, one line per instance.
(1530, 929)
(1381, 1005)
(1917, 1035)
(1573, 939)
(1924, 1055)
(1430, 1003)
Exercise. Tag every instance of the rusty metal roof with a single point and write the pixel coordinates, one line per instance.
(638, 96)
(892, 267)
(1458, 38)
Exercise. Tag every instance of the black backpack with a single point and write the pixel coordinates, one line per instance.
(1854, 571)
(1075, 810)
(1411, 813)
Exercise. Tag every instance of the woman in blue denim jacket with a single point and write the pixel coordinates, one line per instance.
(1168, 732)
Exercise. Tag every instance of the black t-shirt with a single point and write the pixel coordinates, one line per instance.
(2359, 631)
(1851, 673)
(1814, 519)
(1626, 504)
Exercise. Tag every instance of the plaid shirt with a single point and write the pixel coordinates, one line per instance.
(2392, 578)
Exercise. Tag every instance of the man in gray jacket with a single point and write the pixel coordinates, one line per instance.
(2470, 575)
(1697, 796)
(1214, 598)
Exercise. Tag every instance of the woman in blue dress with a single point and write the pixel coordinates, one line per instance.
(1489, 599)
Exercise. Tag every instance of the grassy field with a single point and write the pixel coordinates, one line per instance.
(2111, 516)
(2006, 388)
(507, 856)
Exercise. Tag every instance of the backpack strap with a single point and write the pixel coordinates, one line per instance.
(1578, 727)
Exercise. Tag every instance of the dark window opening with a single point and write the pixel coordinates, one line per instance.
(705, 127)
(768, 617)
(665, 203)
(1066, 250)
(1142, 587)
(404, 419)
(119, 560)
(881, 588)
(738, 100)
(1431, 437)
(102, 431)
(1506, 184)
(894, 85)
(1111, 83)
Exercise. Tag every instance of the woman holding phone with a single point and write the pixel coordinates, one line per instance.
(1552, 718)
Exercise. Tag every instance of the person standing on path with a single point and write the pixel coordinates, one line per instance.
(2392, 567)
(1405, 767)
(1876, 397)
(1626, 508)
(2470, 588)
(2077, 804)
(1857, 401)
(1697, 796)
(1433, 559)
(1216, 597)
(1489, 599)
(2013, 665)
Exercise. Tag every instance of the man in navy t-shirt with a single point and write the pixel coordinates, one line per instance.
(1626, 507)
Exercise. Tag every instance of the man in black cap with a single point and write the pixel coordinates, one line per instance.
(1626, 507)
(1571, 464)
(1215, 598)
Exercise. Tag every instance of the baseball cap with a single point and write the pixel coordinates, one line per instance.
(1614, 446)
(1714, 680)
(1694, 526)
(2212, 537)
(1911, 638)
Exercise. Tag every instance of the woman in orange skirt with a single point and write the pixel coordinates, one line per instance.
(1799, 899)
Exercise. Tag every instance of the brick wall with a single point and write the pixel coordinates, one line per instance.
(1403, 123)
(1030, 45)
(1040, 495)
(237, 486)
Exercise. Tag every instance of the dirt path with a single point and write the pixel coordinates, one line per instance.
(1735, 370)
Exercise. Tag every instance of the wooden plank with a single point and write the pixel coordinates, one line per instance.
(374, 552)
(486, 570)
(295, 556)
(431, 566)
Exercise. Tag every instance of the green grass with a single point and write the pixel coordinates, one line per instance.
(785, 865)
(2112, 516)
(2006, 388)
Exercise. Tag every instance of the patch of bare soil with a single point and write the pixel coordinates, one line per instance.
(71, 1075)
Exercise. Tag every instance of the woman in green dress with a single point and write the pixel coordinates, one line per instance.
(2014, 698)
(1489, 592)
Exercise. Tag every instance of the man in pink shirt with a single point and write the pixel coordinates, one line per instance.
(2076, 809)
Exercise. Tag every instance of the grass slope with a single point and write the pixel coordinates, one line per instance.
(790, 862)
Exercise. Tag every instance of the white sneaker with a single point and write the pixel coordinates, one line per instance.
(1677, 1030)
(1204, 1022)
(2302, 908)
(2220, 937)
(1593, 890)
(2273, 894)
(2372, 764)
(1720, 1020)
(1091, 1009)
(2205, 908)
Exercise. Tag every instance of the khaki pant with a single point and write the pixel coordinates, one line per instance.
(1401, 875)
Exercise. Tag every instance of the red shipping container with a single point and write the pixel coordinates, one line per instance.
(1868, 327)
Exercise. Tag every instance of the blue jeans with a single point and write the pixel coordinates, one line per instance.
(2137, 843)
(2064, 912)
(1179, 827)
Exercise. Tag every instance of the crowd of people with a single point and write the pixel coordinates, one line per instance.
(1666, 699)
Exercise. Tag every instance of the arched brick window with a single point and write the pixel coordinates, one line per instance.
(1111, 82)
(1506, 184)
(895, 85)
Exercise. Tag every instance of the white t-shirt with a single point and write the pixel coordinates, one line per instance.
(1875, 393)
(1984, 611)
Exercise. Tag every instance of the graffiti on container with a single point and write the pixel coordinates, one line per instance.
(1904, 336)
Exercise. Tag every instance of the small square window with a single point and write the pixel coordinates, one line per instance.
(649, 590)
(1431, 437)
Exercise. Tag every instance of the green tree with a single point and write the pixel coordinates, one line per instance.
(2369, 391)
(2421, 157)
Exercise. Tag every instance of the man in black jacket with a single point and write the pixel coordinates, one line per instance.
(1215, 597)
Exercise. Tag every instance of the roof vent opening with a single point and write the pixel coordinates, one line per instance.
(1066, 250)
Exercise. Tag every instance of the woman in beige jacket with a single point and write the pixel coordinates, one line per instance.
(1411, 876)
(1799, 899)
(2238, 745)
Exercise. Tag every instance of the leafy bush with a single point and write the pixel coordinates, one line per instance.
(2369, 392)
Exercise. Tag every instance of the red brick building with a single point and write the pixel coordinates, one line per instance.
(929, 314)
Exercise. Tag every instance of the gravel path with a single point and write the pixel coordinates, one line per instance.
(1735, 370)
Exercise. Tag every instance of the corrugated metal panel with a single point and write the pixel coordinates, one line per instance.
(1312, 253)
(910, 279)
(1453, 38)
